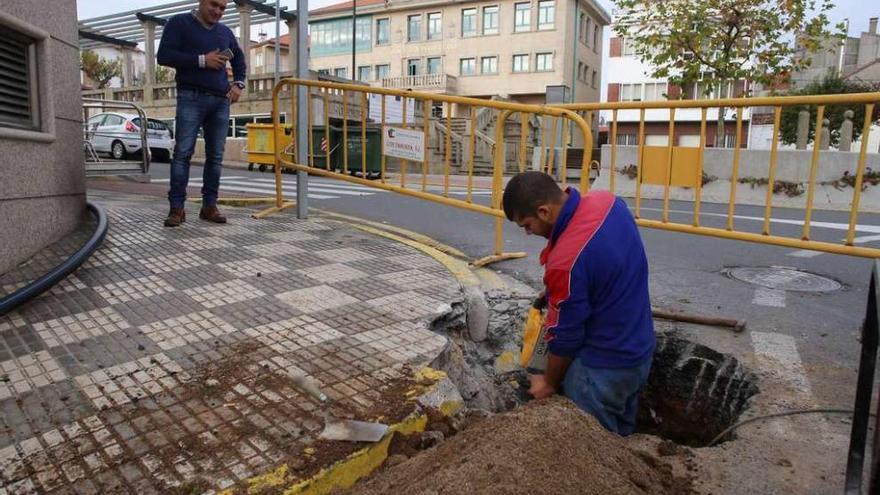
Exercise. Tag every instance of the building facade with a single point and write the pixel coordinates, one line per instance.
(508, 48)
(856, 58)
(42, 180)
(629, 80)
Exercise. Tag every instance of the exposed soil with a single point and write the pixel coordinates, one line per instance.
(543, 447)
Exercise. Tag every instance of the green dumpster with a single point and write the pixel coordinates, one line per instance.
(320, 147)
(373, 145)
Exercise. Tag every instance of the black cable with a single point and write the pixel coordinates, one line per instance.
(731, 428)
(45, 282)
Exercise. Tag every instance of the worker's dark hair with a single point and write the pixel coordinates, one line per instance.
(526, 192)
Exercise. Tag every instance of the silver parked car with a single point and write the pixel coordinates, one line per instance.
(119, 134)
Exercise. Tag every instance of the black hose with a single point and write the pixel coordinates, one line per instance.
(44, 283)
(777, 415)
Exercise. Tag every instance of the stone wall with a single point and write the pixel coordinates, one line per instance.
(42, 179)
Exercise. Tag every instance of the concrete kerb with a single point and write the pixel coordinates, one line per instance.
(434, 390)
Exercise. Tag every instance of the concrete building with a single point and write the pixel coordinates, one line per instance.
(133, 65)
(856, 58)
(508, 48)
(42, 181)
(629, 80)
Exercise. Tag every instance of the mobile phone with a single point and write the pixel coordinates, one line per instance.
(227, 53)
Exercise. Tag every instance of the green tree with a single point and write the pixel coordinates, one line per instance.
(99, 70)
(164, 74)
(717, 42)
(832, 84)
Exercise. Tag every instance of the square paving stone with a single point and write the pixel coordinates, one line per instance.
(158, 307)
(255, 312)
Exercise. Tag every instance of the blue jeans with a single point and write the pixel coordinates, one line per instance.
(611, 395)
(195, 110)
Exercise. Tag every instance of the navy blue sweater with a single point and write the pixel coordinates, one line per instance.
(184, 38)
(596, 274)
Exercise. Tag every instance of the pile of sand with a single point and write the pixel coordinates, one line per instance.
(543, 447)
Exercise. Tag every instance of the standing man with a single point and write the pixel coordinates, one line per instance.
(598, 330)
(198, 47)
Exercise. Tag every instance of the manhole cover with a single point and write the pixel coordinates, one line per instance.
(775, 277)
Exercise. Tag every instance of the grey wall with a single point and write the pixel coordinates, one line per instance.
(42, 182)
(792, 165)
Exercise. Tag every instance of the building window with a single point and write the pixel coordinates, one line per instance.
(655, 91)
(412, 67)
(628, 48)
(364, 73)
(333, 37)
(522, 17)
(340, 72)
(383, 71)
(520, 63)
(583, 27)
(414, 27)
(580, 70)
(18, 89)
(258, 59)
(544, 62)
(467, 66)
(433, 65)
(489, 65)
(546, 14)
(435, 26)
(626, 139)
(383, 31)
(596, 38)
(325, 72)
(630, 92)
(490, 20)
(593, 79)
(468, 22)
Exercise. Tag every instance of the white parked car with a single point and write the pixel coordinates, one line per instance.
(119, 135)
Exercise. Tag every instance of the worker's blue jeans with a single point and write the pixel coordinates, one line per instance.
(196, 109)
(611, 395)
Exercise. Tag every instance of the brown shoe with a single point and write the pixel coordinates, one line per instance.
(211, 214)
(176, 216)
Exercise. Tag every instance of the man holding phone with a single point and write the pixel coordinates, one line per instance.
(198, 47)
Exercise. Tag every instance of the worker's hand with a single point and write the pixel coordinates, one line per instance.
(215, 60)
(540, 302)
(234, 93)
(539, 388)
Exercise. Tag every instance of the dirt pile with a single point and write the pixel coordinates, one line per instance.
(542, 447)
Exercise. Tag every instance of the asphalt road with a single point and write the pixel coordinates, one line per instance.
(688, 272)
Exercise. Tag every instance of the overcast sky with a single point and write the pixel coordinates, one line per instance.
(855, 10)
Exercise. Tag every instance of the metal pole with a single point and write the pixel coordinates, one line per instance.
(277, 41)
(302, 123)
(353, 39)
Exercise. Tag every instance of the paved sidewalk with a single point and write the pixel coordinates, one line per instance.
(159, 366)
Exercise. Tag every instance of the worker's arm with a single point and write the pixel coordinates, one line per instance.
(239, 68)
(171, 51)
(567, 312)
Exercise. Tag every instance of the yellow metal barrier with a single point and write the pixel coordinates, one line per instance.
(347, 102)
(676, 166)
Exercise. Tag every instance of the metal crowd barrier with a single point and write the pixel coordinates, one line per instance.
(672, 166)
(506, 154)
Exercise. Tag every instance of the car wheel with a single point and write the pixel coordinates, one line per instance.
(160, 155)
(262, 167)
(250, 167)
(117, 150)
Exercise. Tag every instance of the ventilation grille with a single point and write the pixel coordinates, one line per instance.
(15, 80)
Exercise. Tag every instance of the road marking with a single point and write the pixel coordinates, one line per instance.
(806, 253)
(319, 189)
(765, 296)
(169, 180)
(269, 192)
(873, 229)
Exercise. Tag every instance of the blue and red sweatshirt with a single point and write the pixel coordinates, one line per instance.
(184, 38)
(596, 275)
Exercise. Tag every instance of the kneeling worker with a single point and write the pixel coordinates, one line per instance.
(598, 331)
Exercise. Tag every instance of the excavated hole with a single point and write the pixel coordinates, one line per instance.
(692, 395)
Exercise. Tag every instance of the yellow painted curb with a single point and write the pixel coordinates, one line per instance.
(399, 230)
(346, 472)
(459, 269)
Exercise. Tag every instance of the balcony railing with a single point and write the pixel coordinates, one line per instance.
(429, 82)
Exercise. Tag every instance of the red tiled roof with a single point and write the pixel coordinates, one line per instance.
(343, 6)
